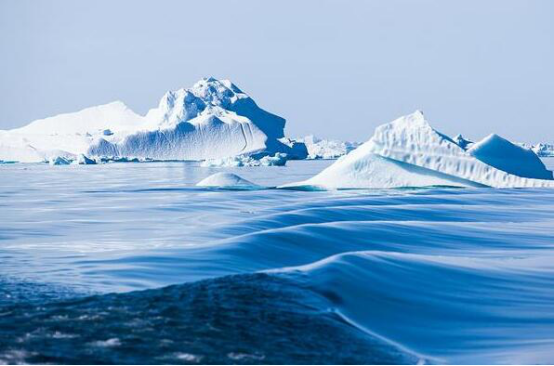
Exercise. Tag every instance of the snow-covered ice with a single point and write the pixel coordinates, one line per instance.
(408, 152)
(213, 119)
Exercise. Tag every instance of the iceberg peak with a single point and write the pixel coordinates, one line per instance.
(418, 114)
(415, 120)
(417, 117)
(184, 105)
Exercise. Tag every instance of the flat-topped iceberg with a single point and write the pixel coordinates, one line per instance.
(408, 152)
(213, 119)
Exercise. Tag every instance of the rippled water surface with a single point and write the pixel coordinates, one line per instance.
(268, 276)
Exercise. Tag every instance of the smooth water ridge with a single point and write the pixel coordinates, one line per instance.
(132, 263)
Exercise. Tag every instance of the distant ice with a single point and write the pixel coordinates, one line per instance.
(543, 150)
(327, 149)
(279, 159)
(83, 160)
(59, 160)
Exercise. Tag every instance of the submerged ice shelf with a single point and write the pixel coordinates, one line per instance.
(213, 119)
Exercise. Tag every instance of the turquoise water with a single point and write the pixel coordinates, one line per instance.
(180, 274)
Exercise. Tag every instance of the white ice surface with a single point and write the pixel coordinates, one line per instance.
(213, 119)
(327, 149)
(226, 180)
(511, 158)
(409, 152)
(278, 159)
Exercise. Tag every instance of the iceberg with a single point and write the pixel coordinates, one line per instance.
(59, 160)
(227, 181)
(408, 152)
(327, 149)
(213, 119)
(83, 160)
(506, 156)
(279, 159)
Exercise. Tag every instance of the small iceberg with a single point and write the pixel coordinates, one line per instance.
(83, 160)
(227, 181)
(59, 160)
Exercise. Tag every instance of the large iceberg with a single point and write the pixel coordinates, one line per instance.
(408, 152)
(213, 119)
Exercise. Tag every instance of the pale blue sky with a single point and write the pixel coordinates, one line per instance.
(332, 68)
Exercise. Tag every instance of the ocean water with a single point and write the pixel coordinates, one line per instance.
(131, 263)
